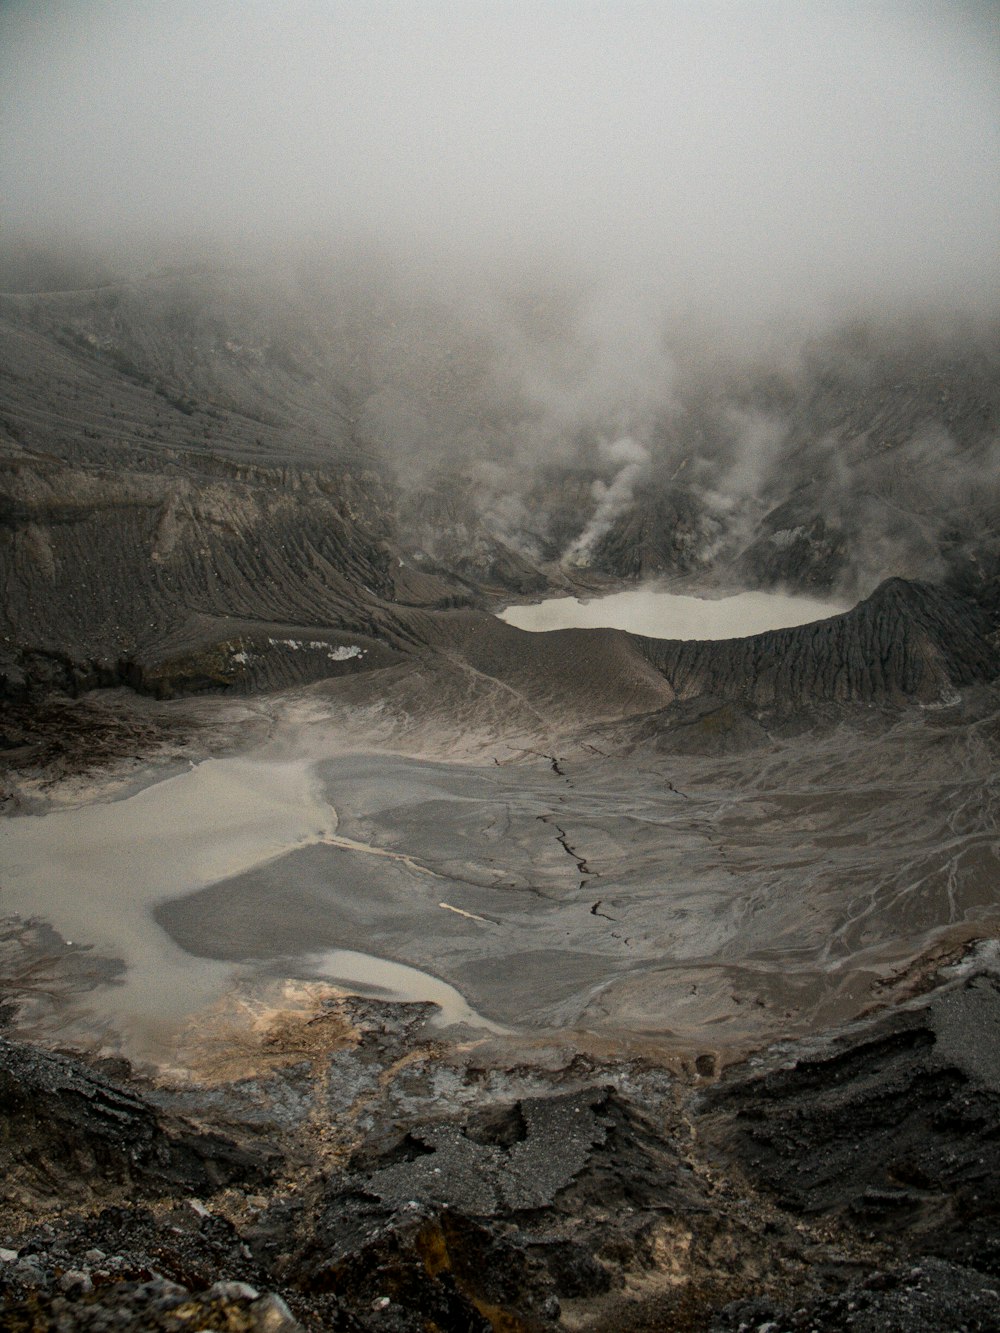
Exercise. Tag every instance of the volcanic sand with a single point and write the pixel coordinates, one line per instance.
(706, 902)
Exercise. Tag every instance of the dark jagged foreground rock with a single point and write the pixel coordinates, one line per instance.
(916, 1298)
(892, 1131)
(579, 1205)
(152, 1304)
(899, 1128)
(847, 1187)
(541, 1191)
(62, 1122)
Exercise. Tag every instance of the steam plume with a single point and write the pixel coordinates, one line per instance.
(612, 498)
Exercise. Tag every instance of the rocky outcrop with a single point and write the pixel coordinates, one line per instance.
(908, 641)
(662, 532)
(892, 1130)
(253, 579)
(155, 1305)
(798, 546)
(896, 1125)
(72, 1131)
(846, 1184)
(443, 527)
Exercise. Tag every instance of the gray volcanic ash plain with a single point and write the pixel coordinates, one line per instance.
(717, 920)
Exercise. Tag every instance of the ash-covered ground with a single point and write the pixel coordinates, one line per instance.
(727, 1051)
(370, 963)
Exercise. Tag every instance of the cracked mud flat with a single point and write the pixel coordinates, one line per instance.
(554, 944)
(723, 861)
(715, 902)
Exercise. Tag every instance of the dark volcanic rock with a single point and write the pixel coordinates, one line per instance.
(662, 532)
(571, 1206)
(906, 641)
(131, 1258)
(442, 523)
(155, 1305)
(928, 1298)
(189, 503)
(895, 1129)
(569, 1151)
(68, 1131)
(194, 497)
(519, 1208)
(798, 547)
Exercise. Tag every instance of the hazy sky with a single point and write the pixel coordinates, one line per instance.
(715, 153)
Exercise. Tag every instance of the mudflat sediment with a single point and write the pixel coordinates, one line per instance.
(712, 901)
(403, 1009)
(373, 964)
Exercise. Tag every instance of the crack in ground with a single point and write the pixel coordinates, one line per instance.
(563, 839)
(553, 759)
(596, 911)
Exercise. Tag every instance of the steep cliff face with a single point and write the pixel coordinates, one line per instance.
(871, 454)
(798, 546)
(122, 572)
(442, 524)
(893, 1124)
(660, 533)
(251, 578)
(907, 642)
(887, 462)
(198, 493)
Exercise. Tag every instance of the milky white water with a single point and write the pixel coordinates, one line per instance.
(95, 873)
(706, 899)
(387, 980)
(666, 615)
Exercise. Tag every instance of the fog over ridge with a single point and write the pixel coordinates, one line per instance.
(727, 158)
(581, 276)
